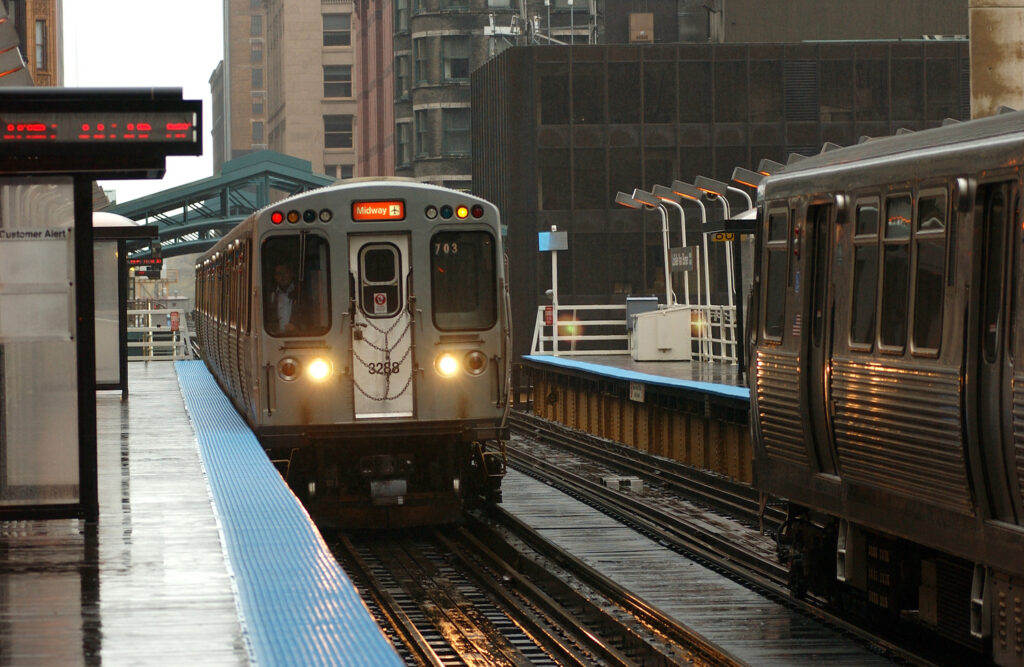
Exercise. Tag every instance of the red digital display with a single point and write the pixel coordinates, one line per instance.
(84, 127)
(378, 210)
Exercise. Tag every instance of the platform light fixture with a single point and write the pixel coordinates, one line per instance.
(746, 177)
(769, 167)
(627, 200)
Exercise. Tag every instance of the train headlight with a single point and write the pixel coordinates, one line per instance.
(447, 365)
(288, 369)
(476, 362)
(319, 369)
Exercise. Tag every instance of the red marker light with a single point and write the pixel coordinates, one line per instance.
(478, 211)
(277, 217)
(85, 127)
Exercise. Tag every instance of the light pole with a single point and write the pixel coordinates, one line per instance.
(649, 199)
(690, 192)
(666, 194)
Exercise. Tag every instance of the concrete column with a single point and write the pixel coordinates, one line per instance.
(997, 55)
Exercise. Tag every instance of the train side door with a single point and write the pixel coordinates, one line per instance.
(382, 359)
(995, 210)
(818, 336)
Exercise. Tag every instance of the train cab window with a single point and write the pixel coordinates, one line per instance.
(895, 271)
(929, 275)
(296, 277)
(865, 275)
(776, 261)
(380, 272)
(463, 280)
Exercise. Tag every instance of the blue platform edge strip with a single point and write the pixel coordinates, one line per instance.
(741, 393)
(298, 606)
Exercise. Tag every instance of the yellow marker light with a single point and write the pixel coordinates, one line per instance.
(462, 212)
(319, 369)
(447, 365)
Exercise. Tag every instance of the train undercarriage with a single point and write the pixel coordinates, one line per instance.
(883, 580)
(417, 480)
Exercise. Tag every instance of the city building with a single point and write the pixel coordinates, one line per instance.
(414, 60)
(589, 121)
(286, 82)
(39, 32)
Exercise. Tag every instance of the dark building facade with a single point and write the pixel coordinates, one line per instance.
(557, 131)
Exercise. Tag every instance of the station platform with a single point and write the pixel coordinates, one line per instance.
(694, 412)
(201, 554)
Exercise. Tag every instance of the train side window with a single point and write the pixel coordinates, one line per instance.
(776, 263)
(296, 275)
(994, 202)
(895, 271)
(929, 275)
(463, 280)
(865, 276)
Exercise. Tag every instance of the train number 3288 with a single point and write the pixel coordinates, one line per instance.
(383, 368)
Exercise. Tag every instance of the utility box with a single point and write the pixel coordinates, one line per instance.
(636, 305)
(662, 335)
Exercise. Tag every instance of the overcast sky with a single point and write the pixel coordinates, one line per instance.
(147, 43)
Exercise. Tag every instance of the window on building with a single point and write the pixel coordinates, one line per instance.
(417, 6)
(401, 15)
(419, 54)
(338, 131)
(256, 57)
(41, 42)
(337, 29)
(337, 81)
(256, 25)
(257, 132)
(422, 143)
(454, 4)
(255, 4)
(865, 275)
(499, 3)
(895, 286)
(257, 105)
(257, 78)
(455, 125)
(401, 76)
(455, 58)
(403, 149)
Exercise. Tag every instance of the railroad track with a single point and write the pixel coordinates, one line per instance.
(721, 493)
(501, 595)
(719, 551)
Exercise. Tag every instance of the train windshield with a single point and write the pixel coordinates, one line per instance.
(462, 282)
(296, 277)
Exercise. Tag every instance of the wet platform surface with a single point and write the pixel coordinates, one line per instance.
(200, 556)
(148, 584)
(711, 377)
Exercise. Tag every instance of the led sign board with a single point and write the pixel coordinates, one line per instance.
(378, 210)
(106, 133)
(98, 127)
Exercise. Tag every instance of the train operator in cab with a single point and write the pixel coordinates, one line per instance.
(282, 314)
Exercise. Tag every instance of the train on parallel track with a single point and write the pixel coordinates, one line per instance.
(886, 370)
(363, 332)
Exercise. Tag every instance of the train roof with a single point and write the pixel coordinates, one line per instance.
(940, 150)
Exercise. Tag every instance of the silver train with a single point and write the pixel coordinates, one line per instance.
(363, 332)
(887, 397)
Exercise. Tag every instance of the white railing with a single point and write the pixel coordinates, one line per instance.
(713, 332)
(579, 334)
(165, 335)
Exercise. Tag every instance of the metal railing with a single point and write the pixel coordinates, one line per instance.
(158, 334)
(713, 332)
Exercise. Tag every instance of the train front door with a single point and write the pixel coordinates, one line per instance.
(995, 209)
(382, 359)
